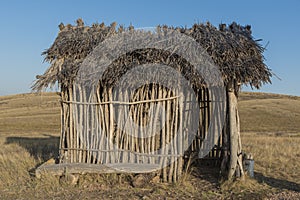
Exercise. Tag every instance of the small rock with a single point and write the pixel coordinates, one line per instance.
(70, 179)
(155, 179)
(145, 197)
(139, 181)
(50, 161)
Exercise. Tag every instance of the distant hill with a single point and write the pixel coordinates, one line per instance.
(40, 113)
(27, 114)
(265, 112)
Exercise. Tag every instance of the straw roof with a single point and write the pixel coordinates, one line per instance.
(232, 48)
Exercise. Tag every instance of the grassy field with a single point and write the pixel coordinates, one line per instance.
(29, 135)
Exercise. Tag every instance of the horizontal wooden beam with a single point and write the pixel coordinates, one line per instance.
(84, 168)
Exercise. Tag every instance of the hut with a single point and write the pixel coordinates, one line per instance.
(91, 137)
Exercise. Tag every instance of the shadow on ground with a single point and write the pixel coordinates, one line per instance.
(206, 175)
(277, 183)
(40, 148)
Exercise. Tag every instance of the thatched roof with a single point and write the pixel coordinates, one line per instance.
(232, 48)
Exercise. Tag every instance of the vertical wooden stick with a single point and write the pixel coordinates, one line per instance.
(63, 127)
(163, 137)
(119, 135)
(172, 172)
(75, 122)
(239, 152)
(154, 115)
(111, 126)
(80, 124)
(181, 136)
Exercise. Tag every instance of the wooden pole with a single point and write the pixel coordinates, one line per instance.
(173, 160)
(163, 138)
(107, 126)
(75, 116)
(63, 125)
(239, 153)
(111, 127)
(153, 125)
(80, 128)
(182, 143)
(234, 133)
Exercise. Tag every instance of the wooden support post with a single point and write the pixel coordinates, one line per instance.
(239, 152)
(235, 166)
(232, 101)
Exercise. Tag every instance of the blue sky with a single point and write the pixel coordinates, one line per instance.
(29, 27)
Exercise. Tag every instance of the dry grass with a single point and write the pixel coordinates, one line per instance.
(276, 159)
(29, 131)
(269, 113)
(35, 114)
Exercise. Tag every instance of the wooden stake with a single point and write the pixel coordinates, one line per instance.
(239, 152)
(181, 136)
(172, 172)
